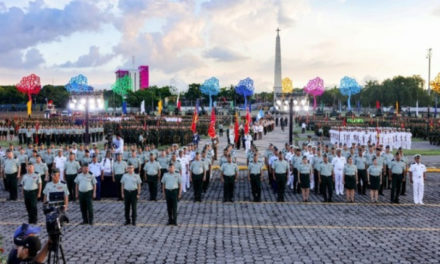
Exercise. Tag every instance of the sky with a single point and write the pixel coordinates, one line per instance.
(190, 41)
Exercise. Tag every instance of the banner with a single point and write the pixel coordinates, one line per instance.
(159, 107)
(236, 129)
(195, 119)
(211, 130)
(29, 107)
(248, 122)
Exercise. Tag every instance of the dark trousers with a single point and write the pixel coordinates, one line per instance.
(70, 178)
(316, 178)
(5, 183)
(171, 198)
(296, 188)
(118, 178)
(386, 182)
(228, 188)
(86, 205)
(98, 188)
(197, 180)
(362, 188)
(152, 186)
(206, 182)
(130, 201)
(395, 187)
(11, 180)
(327, 187)
(30, 200)
(281, 179)
(403, 185)
(381, 186)
(256, 187)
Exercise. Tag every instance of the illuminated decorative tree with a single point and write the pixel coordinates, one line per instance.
(78, 84)
(349, 87)
(287, 85)
(122, 86)
(435, 84)
(29, 85)
(210, 88)
(315, 88)
(245, 88)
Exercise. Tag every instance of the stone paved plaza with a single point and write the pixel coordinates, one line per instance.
(247, 232)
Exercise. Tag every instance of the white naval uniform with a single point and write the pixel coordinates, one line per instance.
(338, 168)
(184, 163)
(418, 170)
(60, 164)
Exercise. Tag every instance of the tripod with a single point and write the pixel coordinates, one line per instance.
(56, 247)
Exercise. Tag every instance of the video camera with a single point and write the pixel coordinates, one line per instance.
(55, 214)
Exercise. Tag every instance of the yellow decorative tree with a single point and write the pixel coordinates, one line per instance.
(287, 85)
(435, 84)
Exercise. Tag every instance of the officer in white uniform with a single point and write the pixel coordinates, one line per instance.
(417, 175)
(338, 163)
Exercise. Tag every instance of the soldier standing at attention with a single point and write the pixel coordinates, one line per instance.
(361, 164)
(197, 176)
(350, 179)
(255, 177)
(229, 175)
(131, 192)
(71, 168)
(417, 176)
(207, 165)
(11, 170)
(31, 191)
(86, 191)
(304, 172)
(326, 178)
(171, 187)
(119, 168)
(374, 174)
(280, 171)
(152, 174)
(397, 169)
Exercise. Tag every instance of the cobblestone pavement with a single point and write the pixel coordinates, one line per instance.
(247, 232)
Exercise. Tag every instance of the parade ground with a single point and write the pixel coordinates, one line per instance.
(248, 232)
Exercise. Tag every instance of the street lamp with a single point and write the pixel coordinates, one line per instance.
(86, 102)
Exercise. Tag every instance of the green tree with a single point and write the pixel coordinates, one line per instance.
(58, 94)
(10, 95)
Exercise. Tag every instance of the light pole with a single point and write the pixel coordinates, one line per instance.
(291, 121)
(428, 56)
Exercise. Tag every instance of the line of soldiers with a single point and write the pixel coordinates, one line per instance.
(104, 171)
(167, 135)
(323, 169)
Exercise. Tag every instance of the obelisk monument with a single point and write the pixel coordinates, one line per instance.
(277, 89)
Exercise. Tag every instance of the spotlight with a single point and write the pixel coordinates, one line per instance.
(303, 102)
(278, 102)
(296, 108)
(71, 105)
(306, 108)
(295, 102)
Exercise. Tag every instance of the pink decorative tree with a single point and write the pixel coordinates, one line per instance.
(315, 88)
(29, 85)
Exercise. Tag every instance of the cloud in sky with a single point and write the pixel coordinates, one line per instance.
(93, 59)
(223, 54)
(229, 39)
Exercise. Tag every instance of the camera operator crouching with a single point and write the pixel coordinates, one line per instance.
(28, 246)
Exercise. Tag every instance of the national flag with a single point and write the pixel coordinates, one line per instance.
(397, 107)
(124, 108)
(195, 119)
(248, 121)
(29, 107)
(211, 130)
(236, 129)
(377, 104)
(178, 103)
(344, 122)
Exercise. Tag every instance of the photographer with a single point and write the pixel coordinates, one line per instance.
(27, 251)
(56, 186)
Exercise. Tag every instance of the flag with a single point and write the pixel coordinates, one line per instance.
(377, 104)
(29, 107)
(143, 106)
(195, 120)
(211, 130)
(417, 108)
(159, 107)
(236, 129)
(106, 105)
(344, 122)
(178, 103)
(260, 114)
(124, 108)
(248, 122)
(231, 105)
(397, 107)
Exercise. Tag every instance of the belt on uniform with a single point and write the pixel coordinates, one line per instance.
(229, 175)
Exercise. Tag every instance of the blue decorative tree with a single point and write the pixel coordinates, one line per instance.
(78, 84)
(245, 88)
(349, 87)
(210, 88)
